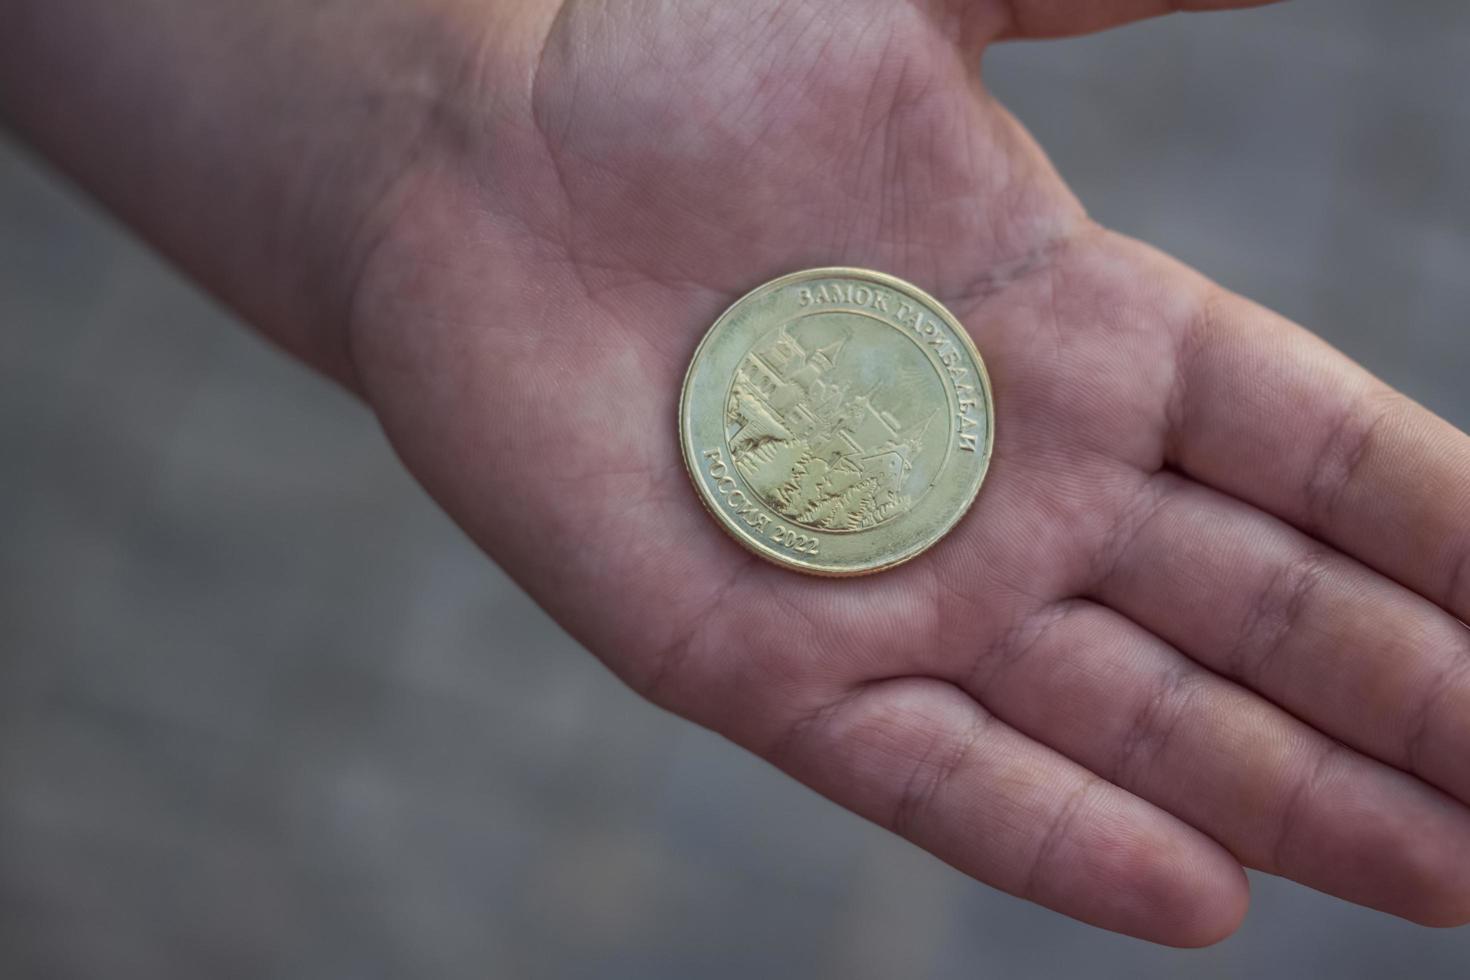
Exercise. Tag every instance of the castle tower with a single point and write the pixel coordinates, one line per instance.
(827, 356)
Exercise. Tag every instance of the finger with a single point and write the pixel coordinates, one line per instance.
(1336, 644)
(1279, 795)
(1267, 412)
(1059, 18)
(921, 758)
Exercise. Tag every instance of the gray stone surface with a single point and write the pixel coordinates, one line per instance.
(264, 713)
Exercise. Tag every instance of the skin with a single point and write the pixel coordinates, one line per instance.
(1207, 611)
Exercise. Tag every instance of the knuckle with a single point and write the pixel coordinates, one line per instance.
(1152, 725)
(930, 774)
(1297, 806)
(1275, 614)
(1339, 459)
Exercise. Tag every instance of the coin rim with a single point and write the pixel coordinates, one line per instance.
(772, 554)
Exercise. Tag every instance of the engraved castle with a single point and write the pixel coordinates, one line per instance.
(818, 452)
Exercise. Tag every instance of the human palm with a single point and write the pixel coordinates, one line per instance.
(1203, 613)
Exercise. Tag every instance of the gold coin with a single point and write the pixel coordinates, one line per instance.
(837, 421)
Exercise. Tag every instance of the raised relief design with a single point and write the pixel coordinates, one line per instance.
(836, 432)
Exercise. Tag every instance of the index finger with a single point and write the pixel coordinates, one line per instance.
(1268, 412)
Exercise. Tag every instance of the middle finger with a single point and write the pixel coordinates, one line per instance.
(1345, 649)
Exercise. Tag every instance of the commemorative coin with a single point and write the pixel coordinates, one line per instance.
(837, 421)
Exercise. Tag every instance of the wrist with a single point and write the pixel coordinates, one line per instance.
(260, 146)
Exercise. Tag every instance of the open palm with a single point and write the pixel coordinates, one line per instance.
(1204, 612)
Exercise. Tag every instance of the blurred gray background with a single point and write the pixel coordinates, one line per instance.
(265, 713)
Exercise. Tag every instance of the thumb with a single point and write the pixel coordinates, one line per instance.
(1059, 18)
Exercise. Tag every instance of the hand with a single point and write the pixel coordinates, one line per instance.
(1203, 614)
